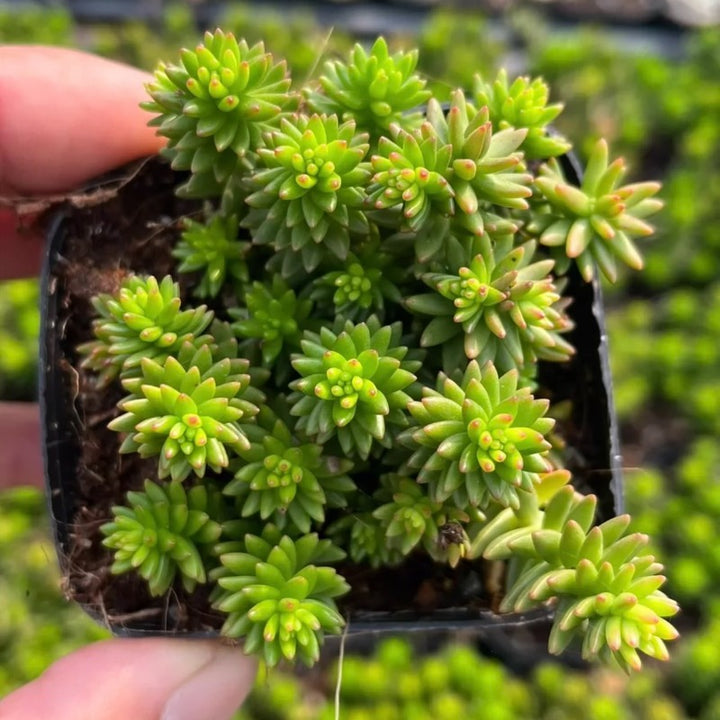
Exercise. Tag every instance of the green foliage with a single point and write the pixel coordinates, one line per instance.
(309, 189)
(450, 54)
(661, 114)
(19, 330)
(639, 102)
(396, 681)
(214, 106)
(143, 320)
(362, 287)
(682, 507)
(36, 24)
(285, 481)
(675, 344)
(695, 677)
(38, 626)
(410, 172)
(187, 412)
(364, 535)
(411, 517)
(274, 316)
(212, 249)
(597, 222)
(353, 384)
(493, 305)
(522, 104)
(277, 597)
(375, 89)
(487, 167)
(295, 35)
(607, 589)
(449, 199)
(162, 534)
(481, 439)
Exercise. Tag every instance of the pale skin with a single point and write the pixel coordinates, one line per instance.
(66, 117)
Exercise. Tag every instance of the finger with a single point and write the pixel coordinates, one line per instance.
(142, 679)
(20, 459)
(66, 116)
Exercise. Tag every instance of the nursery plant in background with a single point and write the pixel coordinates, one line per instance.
(328, 351)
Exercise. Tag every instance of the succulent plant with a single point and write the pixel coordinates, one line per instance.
(343, 238)
(309, 190)
(486, 168)
(274, 316)
(411, 172)
(163, 533)
(479, 440)
(277, 597)
(606, 593)
(374, 89)
(494, 304)
(365, 538)
(522, 104)
(360, 289)
(597, 222)
(411, 517)
(353, 385)
(213, 249)
(143, 320)
(214, 106)
(284, 481)
(187, 412)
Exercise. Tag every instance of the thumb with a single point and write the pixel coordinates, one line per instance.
(142, 679)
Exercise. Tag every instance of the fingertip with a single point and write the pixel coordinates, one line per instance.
(215, 691)
(139, 679)
(97, 123)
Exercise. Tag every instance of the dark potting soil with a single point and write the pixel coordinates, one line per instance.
(133, 231)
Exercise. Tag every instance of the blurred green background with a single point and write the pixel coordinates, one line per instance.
(658, 103)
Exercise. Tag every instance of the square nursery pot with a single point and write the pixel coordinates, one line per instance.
(126, 224)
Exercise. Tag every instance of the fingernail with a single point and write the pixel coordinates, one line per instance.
(215, 691)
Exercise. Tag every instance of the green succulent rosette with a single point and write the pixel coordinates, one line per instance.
(278, 596)
(309, 190)
(522, 104)
(411, 173)
(274, 316)
(213, 250)
(285, 481)
(606, 588)
(213, 107)
(353, 385)
(494, 305)
(186, 411)
(361, 287)
(365, 538)
(480, 440)
(486, 168)
(143, 320)
(411, 518)
(598, 222)
(164, 532)
(374, 89)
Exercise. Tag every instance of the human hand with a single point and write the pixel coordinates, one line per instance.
(66, 116)
(137, 679)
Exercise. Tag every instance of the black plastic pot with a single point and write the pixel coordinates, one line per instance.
(585, 381)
